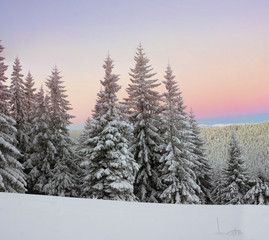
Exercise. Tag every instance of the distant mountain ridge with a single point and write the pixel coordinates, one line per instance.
(253, 137)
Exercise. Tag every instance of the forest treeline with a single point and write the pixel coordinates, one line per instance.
(145, 148)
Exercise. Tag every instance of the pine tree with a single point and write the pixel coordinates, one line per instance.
(108, 164)
(18, 109)
(234, 175)
(177, 168)
(144, 106)
(11, 174)
(203, 170)
(64, 170)
(259, 191)
(42, 150)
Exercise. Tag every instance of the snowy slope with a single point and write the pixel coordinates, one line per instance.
(31, 217)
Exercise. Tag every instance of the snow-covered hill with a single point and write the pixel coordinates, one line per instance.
(32, 217)
(254, 139)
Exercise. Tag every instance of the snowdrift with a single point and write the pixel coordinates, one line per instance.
(31, 217)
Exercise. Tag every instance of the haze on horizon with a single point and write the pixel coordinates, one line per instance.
(219, 50)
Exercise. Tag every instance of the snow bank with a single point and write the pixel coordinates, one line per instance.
(32, 217)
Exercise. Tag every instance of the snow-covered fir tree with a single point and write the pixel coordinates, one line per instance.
(144, 106)
(64, 170)
(217, 185)
(234, 177)
(179, 184)
(29, 92)
(259, 191)
(11, 174)
(18, 109)
(108, 165)
(29, 96)
(4, 90)
(203, 170)
(42, 149)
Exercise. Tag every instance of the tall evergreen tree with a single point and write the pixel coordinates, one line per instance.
(177, 168)
(109, 166)
(29, 92)
(144, 106)
(235, 177)
(203, 170)
(18, 108)
(11, 174)
(64, 170)
(29, 96)
(4, 91)
(42, 150)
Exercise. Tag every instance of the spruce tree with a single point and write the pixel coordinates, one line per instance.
(259, 191)
(42, 149)
(29, 92)
(144, 107)
(11, 174)
(234, 175)
(29, 97)
(108, 164)
(64, 169)
(5, 94)
(18, 109)
(177, 168)
(203, 170)
(217, 185)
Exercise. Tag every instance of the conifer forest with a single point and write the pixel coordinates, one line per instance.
(145, 148)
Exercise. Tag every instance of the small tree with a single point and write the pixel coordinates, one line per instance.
(234, 175)
(258, 192)
(108, 164)
(11, 174)
(144, 108)
(177, 169)
(217, 187)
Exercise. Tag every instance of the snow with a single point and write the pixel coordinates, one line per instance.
(31, 217)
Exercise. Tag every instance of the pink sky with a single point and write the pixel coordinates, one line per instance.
(219, 50)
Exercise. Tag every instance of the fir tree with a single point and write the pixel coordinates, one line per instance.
(203, 170)
(42, 150)
(259, 191)
(29, 96)
(18, 108)
(108, 165)
(234, 177)
(177, 168)
(217, 185)
(64, 170)
(4, 91)
(29, 92)
(144, 106)
(11, 174)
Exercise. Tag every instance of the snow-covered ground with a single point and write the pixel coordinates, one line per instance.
(32, 217)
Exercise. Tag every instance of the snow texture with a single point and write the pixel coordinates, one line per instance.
(55, 218)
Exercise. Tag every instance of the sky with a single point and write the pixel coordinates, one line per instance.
(219, 50)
